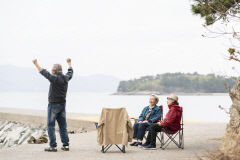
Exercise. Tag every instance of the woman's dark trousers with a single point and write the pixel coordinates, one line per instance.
(139, 130)
(152, 134)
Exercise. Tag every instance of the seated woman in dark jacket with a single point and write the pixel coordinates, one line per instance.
(170, 123)
(149, 115)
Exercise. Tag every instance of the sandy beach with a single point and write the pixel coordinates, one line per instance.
(198, 136)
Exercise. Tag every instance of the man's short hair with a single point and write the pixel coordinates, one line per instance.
(57, 68)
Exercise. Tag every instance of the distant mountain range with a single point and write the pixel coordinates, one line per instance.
(13, 78)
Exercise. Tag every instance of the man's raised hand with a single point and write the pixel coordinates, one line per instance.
(37, 65)
(69, 60)
(35, 61)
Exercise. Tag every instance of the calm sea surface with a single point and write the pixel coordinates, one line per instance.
(197, 108)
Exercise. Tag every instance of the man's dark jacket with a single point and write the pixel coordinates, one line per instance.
(58, 86)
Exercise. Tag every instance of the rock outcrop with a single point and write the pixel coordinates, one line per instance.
(13, 134)
(231, 141)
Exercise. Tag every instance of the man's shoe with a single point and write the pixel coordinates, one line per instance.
(65, 148)
(51, 149)
(143, 145)
(133, 143)
(138, 143)
(150, 147)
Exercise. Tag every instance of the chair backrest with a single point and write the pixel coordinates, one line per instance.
(113, 127)
(161, 107)
(161, 116)
(181, 123)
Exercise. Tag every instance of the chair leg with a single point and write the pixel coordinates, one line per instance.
(121, 149)
(182, 140)
(145, 137)
(105, 148)
(102, 149)
(162, 139)
(171, 138)
(159, 138)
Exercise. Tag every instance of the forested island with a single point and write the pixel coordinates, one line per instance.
(184, 83)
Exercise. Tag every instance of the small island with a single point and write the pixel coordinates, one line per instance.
(181, 83)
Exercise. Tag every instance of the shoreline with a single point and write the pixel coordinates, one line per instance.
(165, 94)
(37, 118)
(40, 112)
(91, 118)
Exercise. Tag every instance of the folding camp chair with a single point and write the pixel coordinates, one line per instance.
(171, 137)
(114, 128)
(105, 148)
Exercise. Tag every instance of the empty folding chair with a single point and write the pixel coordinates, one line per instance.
(114, 128)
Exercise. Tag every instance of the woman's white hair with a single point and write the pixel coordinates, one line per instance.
(155, 97)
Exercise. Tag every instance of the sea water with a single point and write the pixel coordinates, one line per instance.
(195, 108)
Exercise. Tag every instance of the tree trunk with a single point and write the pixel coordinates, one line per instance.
(231, 141)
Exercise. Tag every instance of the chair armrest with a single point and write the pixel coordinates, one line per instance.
(135, 119)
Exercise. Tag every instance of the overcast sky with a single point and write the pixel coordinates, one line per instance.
(124, 38)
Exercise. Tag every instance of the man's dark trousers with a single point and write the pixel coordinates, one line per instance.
(57, 112)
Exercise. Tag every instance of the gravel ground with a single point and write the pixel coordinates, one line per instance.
(198, 137)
